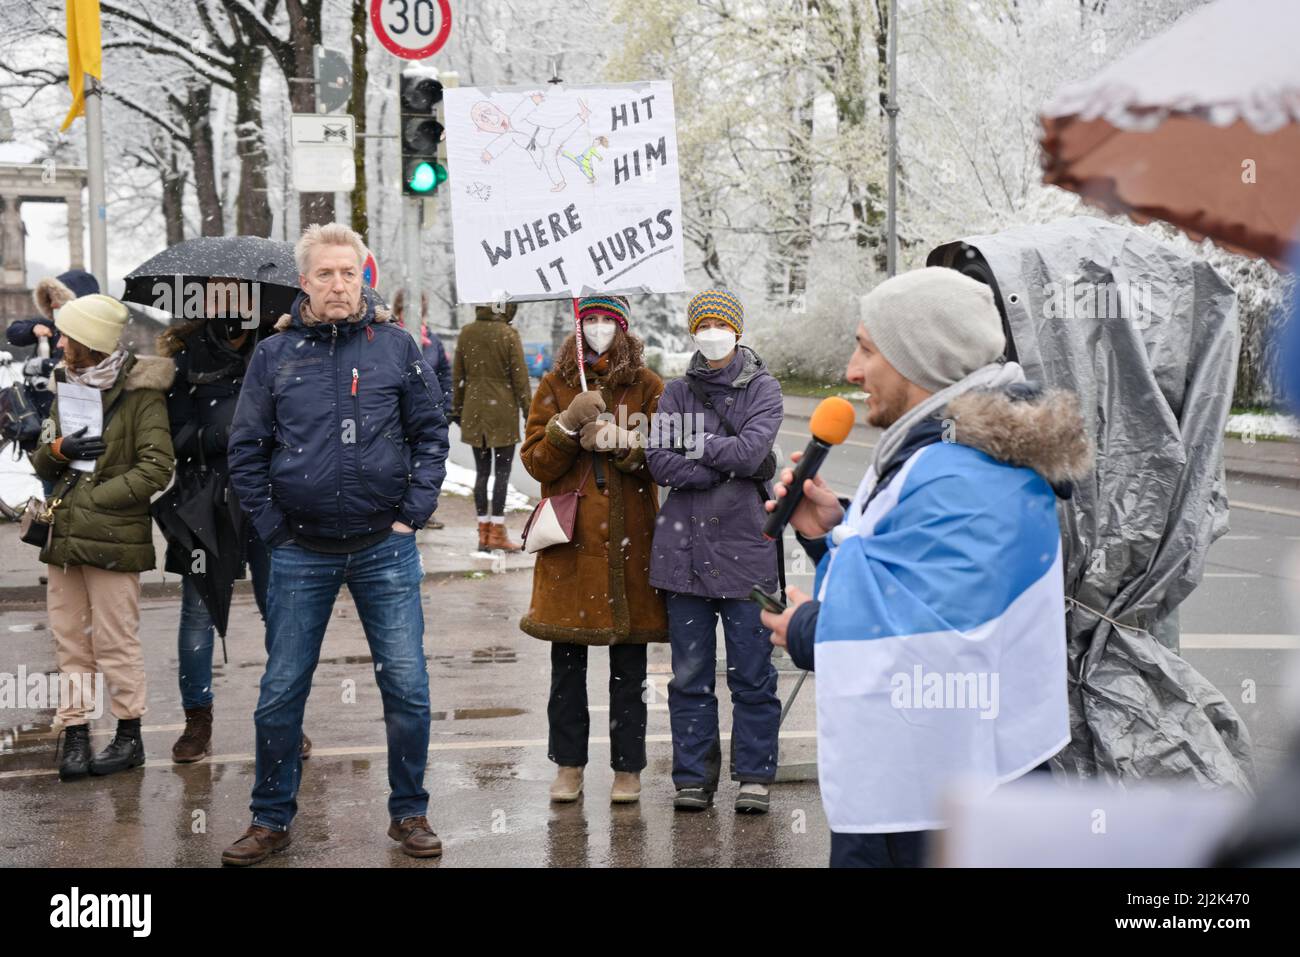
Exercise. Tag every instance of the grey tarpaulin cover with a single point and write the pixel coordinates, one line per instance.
(1147, 338)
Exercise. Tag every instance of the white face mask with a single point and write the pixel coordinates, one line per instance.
(598, 334)
(715, 344)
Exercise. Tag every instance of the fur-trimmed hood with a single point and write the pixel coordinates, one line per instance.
(1022, 426)
(150, 372)
(626, 360)
(52, 292)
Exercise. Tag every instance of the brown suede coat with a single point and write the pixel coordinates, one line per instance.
(596, 589)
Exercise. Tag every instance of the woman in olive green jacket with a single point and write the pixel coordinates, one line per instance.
(102, 537)
(490, 392)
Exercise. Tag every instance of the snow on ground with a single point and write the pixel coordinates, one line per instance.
(1263, 425)
(460, 481)
(18, 482)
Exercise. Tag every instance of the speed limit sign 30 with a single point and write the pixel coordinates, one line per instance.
(411, 29)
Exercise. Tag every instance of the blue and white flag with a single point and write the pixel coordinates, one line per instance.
(940, 643)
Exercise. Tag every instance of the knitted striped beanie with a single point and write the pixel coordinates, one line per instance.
(609, 307)
(715, 304)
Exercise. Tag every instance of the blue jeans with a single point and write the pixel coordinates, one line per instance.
(693, 706)
(384, 581)
(195, 639)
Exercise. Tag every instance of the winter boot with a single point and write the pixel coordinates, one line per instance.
(484, 530)
(499, 540)
(568, 785)
(76, 753)
(195, 742)
(627, 788)
(126, 750)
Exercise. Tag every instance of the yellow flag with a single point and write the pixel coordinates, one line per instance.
(83, 53)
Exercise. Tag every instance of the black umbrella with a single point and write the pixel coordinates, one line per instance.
(171, 280)
(201, 518)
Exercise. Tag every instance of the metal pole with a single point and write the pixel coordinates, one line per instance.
(412, 209)
(95, 182)
(891, 109)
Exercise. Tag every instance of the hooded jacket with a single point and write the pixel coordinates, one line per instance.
(103, 516)
(50, 293)
(709, 533)
(938, 635)
(490, 374)
(339, 430)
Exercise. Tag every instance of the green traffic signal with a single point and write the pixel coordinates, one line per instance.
(422, 178)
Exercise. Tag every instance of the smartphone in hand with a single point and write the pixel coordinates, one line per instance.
(772, 603)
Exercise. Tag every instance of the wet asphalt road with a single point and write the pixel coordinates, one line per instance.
(487, 776)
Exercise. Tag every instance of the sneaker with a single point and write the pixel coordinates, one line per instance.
(692, 799)
(752, 798)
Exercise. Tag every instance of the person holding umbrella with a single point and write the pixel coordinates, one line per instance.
(208, 542)
(337, 452)
(595, 588)
(491, 391)
(101, 539)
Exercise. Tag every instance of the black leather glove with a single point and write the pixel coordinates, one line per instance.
(79, 445)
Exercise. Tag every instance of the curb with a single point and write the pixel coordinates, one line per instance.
(16, 597)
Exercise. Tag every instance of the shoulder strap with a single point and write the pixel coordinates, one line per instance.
(695, 386)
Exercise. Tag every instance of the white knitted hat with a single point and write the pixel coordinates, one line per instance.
(96, 321)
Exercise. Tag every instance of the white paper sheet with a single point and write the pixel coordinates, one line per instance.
(80, 405)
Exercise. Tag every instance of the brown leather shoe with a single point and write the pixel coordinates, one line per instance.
(304, 747)
(416, 837)
(195, 742)
(256, 845)
(483, 529)
(498, 539)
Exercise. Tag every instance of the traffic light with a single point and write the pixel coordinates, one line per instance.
(423, 162)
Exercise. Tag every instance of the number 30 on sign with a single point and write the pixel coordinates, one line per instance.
(411, 29)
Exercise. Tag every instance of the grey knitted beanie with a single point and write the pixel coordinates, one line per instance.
(934, 325)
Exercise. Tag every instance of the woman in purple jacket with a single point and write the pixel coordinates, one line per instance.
(712, 448)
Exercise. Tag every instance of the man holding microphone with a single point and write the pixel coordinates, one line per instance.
(938, 629)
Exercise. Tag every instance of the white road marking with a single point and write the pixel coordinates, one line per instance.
(353, 752)
(1239, 642)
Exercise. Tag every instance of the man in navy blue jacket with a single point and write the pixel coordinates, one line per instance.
(337, 452)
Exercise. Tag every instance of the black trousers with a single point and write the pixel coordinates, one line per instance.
(484, 460)
(900, 849)
(570, 721)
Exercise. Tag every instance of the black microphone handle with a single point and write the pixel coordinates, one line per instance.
(812, 459)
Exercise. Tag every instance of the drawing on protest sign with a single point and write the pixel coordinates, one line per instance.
(564, 191)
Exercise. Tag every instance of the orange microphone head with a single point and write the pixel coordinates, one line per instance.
(832, 420)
